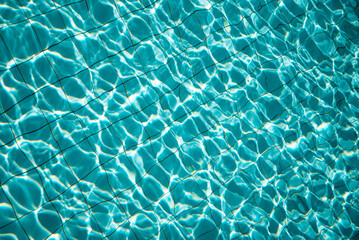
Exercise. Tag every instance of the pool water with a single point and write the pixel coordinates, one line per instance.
(179, 119)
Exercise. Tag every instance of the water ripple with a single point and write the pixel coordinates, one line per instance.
(188, 119)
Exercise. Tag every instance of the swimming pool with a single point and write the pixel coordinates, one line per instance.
(187, 119)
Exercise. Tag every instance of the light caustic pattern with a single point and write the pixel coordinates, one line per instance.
(178, 119)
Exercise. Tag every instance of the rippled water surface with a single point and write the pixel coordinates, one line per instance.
(179, 119)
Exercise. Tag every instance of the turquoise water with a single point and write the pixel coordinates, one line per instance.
(201, 119)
